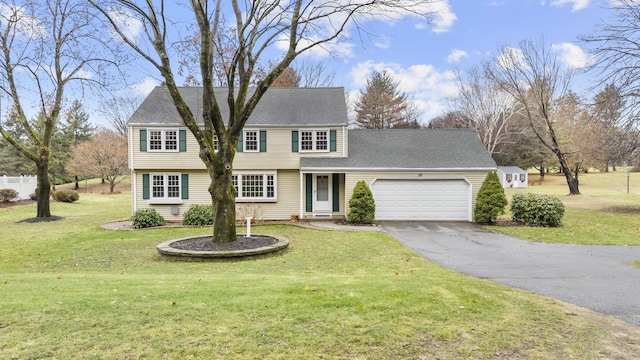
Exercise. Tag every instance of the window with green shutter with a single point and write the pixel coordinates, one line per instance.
(294, 141)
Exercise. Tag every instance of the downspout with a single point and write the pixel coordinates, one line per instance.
(133, 172)
(344, 143)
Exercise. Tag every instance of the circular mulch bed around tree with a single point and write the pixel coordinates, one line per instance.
(201, 248)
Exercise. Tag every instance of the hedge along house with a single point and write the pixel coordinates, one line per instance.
(297, 158)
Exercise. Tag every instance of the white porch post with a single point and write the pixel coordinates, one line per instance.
(300, 216)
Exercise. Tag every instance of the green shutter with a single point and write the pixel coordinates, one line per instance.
(294, 141)
(145, 186)
(263, 141)
(185, 186)
(335, 183)
(182, 140)
(332, 140)
(309, 192)
(240, 138)
(143, 140)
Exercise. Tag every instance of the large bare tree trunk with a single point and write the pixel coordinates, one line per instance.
(223, 197)
(44, 185)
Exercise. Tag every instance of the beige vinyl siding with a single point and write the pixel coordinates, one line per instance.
(288, 188)
(341, 213)
(474, 177)
(169, 160)
(277, 156)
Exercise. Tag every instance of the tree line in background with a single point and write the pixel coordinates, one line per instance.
(521, 104)
(520, 101)
(79, 150)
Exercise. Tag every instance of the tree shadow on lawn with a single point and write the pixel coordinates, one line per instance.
(626, 209)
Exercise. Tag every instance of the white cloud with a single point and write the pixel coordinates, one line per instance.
(445, 16)
(576, 4)
(25, 24)
(510, 58)
(572, 55)
(130, 26)
(428, 86)
(456, 55)
(383, 42)
(145, 86)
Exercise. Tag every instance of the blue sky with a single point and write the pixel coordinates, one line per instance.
(424, 57)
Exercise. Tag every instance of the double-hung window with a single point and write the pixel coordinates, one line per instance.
(251, 141)
(314, 140)
(255, 187)
(165, 188)
(163, 140)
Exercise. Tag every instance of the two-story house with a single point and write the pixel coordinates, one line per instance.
(298, 158)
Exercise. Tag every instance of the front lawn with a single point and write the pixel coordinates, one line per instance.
(605, 214)
(70, 289)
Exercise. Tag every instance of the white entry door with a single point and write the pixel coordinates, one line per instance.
(322, 193)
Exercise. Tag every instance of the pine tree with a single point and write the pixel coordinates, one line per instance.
(381, 105)
(491, 200)
(362, 207)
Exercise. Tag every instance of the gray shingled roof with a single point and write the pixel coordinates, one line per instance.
(409, 149)
(511, 170)
(278, 106)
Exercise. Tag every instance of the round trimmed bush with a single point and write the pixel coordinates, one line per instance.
(198, 215)
(7, 195)
(362, 207)
(145, 218)
(537, 210)
(67, 196)
(490, 201)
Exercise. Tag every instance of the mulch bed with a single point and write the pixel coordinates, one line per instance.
(6, 204)
(242, 243)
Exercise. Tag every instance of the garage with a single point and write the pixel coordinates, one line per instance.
(448, 199)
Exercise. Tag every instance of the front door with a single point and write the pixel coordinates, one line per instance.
(322, 193)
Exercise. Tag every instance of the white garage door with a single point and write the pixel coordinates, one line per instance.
(422, 199)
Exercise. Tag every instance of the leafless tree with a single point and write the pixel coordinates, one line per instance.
(46, 47)
(534, 77)
(296, 26)
(487, 108)
(104, 156)
(616, 57)
(117, 110)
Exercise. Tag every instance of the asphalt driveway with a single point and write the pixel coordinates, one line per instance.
(592, 276)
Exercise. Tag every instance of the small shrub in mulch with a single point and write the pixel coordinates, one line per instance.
(145, 218)
(7, 195)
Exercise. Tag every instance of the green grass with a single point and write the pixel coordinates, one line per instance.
(70, 289)
(605, 214)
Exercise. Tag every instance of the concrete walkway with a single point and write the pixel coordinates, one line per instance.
(596, 277)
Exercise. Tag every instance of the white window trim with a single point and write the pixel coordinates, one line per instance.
(314, 140)
(244, 140)
(165, 200)
(163, 139)
(239, 197)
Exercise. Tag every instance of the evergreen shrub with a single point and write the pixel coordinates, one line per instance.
(198, 215)
(7, 195)
(362, 207)
(67, 196)
(537, 210)
(491, 200)
(145, 218)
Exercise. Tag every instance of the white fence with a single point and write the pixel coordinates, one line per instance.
(24, 185)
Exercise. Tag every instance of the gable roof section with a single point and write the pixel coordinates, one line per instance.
(278, 107)
(511, 170)
(408, 149)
